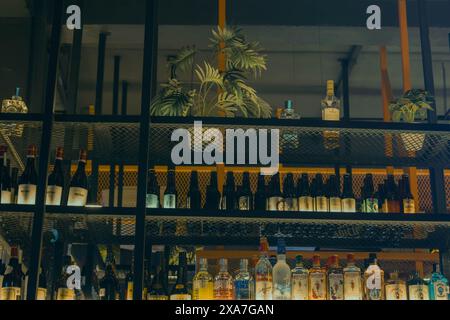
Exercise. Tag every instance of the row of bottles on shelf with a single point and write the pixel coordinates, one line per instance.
(22, 189)
(318, 196)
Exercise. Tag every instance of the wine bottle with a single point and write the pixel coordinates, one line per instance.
(408, 202)
(275, 198)
(331, 104)
(245, 196)
(290, 194)
(153, 191)
(129, 281)
(305, 199)
(158, 290)
(5, 178)
(28, 180)
(170, 195)
(180, 291)
(109, 284)
(41, 293)
(14, 184)
(321, 200)
(381, 195)
(334, 195)
(229, 193)
(56, 181)
(392, 199)
(78, 190)
(12, 280)
(370, 201)
(212, 193)
(194, 197)
(348, 197)
(63, 292)
(260, 203)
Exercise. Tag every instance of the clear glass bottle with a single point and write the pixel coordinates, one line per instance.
(263, 273)
(290, 138)
(335, 280)
(299, 282)
(438, 285)
(281, 274)
(223, 282)
(180, 290)
(203, 285)
(331, 106)
(418, 288)
(395, 288)
(317, 281)
(374, 280)
(352, 280)
(244, 284)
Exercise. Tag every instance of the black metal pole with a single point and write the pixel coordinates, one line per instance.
(112, 184)
(100, 73)
(120, 187)
(427, 59)
(116, 85)
(124, 98)
(75, 61)
(150, 50)
(345, 90)
(47, 126)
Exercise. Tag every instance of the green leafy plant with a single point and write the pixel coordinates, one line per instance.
(413, 105)
(215, 93)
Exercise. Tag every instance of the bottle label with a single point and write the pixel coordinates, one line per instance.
(396, 292)
(336, 286)
(244, 203)
(54, 196)
(409, 206)
(393, 206)
(322, 204)
(276, 204)
(300, 286)
(152, 201)
(348, 205)
(77, 197)
(352, 286)
(157, 297)
(180, 297)
(370, 205)
(282, 289)
(41, 294)
(6, 197)
(291, 204)
(440, 290)
(335, 205)
(331, 114)
(129, 293)
(306, 204)
(203, 290)
(170, 201)
(27, 194)
(242, 289)
(102, 292)
(373, 283)
(263, 287)
(223, 290)
(418, 292)
(65, 294)
(10, 293)
(317, 286)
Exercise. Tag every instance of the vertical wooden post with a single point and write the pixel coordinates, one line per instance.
(222, 24)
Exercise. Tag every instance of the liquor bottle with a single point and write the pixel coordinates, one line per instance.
(223, 282)
(78, 189)
(299, 282)
(348, 197)
(408, 203)
(334, 195)
(381, 195)
(41, 293)
(392, 201)
(194, 197)
(2, 267)
(129, 283)
(212, 193)
(317, 284)
(245, 196)
(305, 200)
(352, 280)
(395, 288)
(153, 191)
(170, 195)
(275, 198)
(109, 284)
(438, 285)
(63, 292)
(263, 273)
(289, 194)
(331, 105)
(228, 201)
(335, 278)
(12, 280)
(281, 274)
(14, 185)
(56, 181)
(290, 137)
(158, 289)
(244, 285)
(27, 184)
(369, 198)
(418, 288)
(5, 178)
(260, 203)
(180, 290)
(321, 200)
(374, 280)
(203, 284)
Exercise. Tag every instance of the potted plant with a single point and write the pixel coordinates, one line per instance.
(413, 105)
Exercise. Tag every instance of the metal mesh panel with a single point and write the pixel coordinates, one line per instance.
(447, 188)
(15, 228)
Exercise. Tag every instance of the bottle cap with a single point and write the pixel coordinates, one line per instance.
(350, 258)
(281, 246)
(59, 153)
(223, 263)
(263, 244)
(288, 104)
(299, 259)
(203, 262)
(32, 151)
(244, 264)
(330, 87)
(372, 257)
(316, 259)
(14, 252)
(334, 260)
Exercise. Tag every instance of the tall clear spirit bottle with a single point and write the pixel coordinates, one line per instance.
(317, 281)
(352, 280)
(244, 284)
(203, 286)
(263, 273)
(281, 274)
(374, 280)
(299, 283)
(418, 288)
(395, 288)
(438, 285)
(335, 280)
(223, 283)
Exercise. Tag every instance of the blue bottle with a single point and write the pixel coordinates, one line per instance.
(438, 285)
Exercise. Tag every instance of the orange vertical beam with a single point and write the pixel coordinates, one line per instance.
(406, 72)
(386, 92)
(222, 24)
